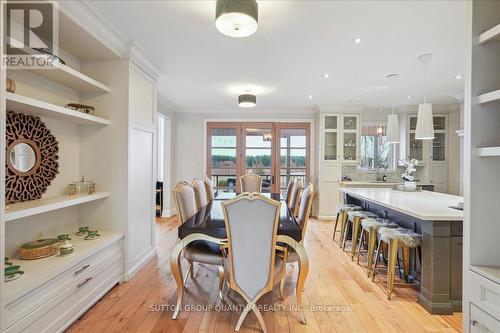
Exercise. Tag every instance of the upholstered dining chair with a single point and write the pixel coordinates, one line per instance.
(199, 251)
(304, 213)
(289, 190)
(209, 186)
(295, 195)
(200, 192)
(251, 183)
(251, 222)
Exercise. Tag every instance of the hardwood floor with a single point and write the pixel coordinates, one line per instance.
(333, 280)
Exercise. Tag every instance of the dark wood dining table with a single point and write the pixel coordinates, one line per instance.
(208, 225)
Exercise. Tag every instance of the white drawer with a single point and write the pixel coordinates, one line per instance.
(35, 298)
(59, 312)
(481, 322)
(485, 294)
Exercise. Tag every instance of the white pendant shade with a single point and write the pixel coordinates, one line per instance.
(392, 132)
(425, 122)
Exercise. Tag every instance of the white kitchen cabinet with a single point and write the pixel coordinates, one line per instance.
(350, 138)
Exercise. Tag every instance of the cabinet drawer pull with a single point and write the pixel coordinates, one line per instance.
(84, 282)
(81, 269)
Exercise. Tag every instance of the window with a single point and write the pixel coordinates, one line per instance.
(375, 152)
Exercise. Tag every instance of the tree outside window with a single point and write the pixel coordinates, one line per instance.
(375, 152)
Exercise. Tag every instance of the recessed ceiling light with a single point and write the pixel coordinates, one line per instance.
(408, 97)
(310, 96)
(357, 97)
(326, 75)
(357, 40)
(458, 77)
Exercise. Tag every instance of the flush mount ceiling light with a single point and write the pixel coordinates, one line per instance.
(425, 121)
(458, 77)
(326, 75)
(310, 96)
(247, 101)
(236, 18)
(392, 132)
(357, 40)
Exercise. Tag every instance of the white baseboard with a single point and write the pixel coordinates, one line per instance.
(167, 212)
(137, 267)
(327, 218)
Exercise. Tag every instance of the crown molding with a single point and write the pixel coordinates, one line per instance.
(144, 60)
(162, 100)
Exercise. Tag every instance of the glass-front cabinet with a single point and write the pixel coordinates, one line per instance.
(440, 142)
(340, 138)
(350, 138)
(330, 144)
(428, 150)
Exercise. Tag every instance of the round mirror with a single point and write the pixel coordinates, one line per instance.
(22, 157)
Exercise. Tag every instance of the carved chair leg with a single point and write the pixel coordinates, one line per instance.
(221, 281)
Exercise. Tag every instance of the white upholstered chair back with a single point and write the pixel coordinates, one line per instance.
(289, 190)
(305, 207)
(251, 223)
(251, 183)
(295, 196)
(209, 187)
(185, 200)
(200, 192)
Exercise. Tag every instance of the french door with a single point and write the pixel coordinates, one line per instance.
(275, 151)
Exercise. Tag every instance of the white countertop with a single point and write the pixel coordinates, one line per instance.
(424, 205)
(367, 183)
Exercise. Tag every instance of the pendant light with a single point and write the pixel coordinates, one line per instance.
(425, 121)
(236, 18)
(247, 101)
(392, 133)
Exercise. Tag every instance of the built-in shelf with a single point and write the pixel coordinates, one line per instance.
(489, 272)
(71, 78)
(29, 208)
(489, 97)
(460, 132)
(488, 151)
(490, 35)
(36, 107)
(38, 272)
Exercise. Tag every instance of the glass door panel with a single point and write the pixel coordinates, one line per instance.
(439, 123)
(416, 148)
(350, 146)
(330, 146)
(439, 147)
(258, 153)
(223, 152)
(350, 123)
(294, 154)
(413, 123)
(330, 122)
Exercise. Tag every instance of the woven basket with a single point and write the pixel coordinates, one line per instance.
(38, 249)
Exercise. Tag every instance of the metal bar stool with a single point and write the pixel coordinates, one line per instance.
(342, 218)
(396, 238)
(369, 227)
(354, 220)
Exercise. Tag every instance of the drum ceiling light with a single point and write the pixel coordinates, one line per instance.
(392, 133)
(236, 18)
(247, 101)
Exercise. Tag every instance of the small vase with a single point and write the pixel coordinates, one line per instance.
(11, 86)
(411, 186)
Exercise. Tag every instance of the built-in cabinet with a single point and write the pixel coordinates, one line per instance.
(339, 144)
(481, 263)
(115, 148)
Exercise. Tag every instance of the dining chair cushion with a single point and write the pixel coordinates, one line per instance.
(209, 186)
(251, 183)
(278, 266)
(204, 252)
(200, 193)
(252, 223)
(185, 201)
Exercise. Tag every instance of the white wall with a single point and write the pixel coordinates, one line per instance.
(168, 161)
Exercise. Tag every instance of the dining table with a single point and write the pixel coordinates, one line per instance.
(208, 225)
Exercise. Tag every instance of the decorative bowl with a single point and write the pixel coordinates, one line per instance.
(38, 249)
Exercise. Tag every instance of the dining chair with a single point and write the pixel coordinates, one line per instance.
(289, 190)
(251, 223)
(209, 186)
(251, 183)
(305, 208)
(295, 196)
(200, 192)
(199, 251)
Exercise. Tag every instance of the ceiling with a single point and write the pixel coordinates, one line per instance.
(297, 42)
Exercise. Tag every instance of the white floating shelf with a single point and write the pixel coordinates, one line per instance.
(489, 97)
(488, 151)
(489, 35)
(30, 208)
(36, 107)
(71, 78)
(489, 272)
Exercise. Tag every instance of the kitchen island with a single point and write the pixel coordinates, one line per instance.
(429, 213)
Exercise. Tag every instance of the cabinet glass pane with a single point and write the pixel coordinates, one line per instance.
(439, 123)
(439, 147)
(350, 123)
(413, 123)
(331, 122)
(416, 148)
(330, 146)
(350, 145)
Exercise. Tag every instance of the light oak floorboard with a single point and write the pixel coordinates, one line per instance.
(334, 280)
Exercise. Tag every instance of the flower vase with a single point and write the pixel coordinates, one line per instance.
(410, 186)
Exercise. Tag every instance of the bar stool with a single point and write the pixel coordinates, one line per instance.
(370, 226)
(342, 217)
(354, 218)
(396, 238)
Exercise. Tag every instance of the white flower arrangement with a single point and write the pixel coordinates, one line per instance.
(408, 175)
